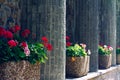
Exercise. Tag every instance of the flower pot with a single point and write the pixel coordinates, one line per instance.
(22, 70)
(77, 68)
(105, 61)
(118, 58)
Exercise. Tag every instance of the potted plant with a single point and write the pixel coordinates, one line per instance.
(77, 59)
(19, 58)
(105, 56)
(118, 55)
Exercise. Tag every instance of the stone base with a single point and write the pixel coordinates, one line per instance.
(105, 61)
(112, 73)
(77, 68)
(22, 70)
(118, 58)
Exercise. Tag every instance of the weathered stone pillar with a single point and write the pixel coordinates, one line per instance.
(47, 18)
(82, 25)
(118, 23)
(107, 25)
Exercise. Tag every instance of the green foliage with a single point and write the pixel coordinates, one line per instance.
(10, 54)
(118, 50)
(105, 50)
(14, 47)
(38, 53)
(75, 50)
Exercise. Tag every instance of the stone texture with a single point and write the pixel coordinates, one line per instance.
(107, 74)
(82, 26)
(21, 70)
(9, 13)
(78, 67)
(118, 22)
(107, 25)
(110, 75)
(47, 18)
(105, 61)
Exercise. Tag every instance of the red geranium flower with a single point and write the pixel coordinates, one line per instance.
(68, 44)
(2, 31)
(25, 33)
(49, 47)
(44, 39)
(67, 38)
(17, 28)
(12, 43)
(8, 35)
(23, 44)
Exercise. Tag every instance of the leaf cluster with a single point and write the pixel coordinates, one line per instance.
(103, 51)
(75, 51)
(118, 50)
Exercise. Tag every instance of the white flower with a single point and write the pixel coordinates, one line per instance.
(105, 46)
(89, 52)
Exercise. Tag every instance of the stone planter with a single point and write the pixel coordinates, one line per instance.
(77, 68)
(118, 58)
(105, 61)
(22, 70)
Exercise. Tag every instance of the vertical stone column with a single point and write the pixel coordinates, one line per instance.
(47, 18)
(118, 23)
(71, 19)
(107, 25)
(82, 20)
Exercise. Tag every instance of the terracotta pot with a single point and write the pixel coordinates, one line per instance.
(22, 70)
(118, 58)
(105, 61)
(77, 67)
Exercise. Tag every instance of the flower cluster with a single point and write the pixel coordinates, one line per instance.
(14, 47)
(105, 50)
(118, 50)
(75, 50)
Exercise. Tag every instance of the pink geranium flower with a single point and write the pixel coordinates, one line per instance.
(27, 51)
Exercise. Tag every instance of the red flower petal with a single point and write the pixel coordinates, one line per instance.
(23, 44)
(67, 38)
(8, 35)
(2, 31)
(17, 28)
(49, 47)
(25, 33)
(68, 44)
(12, 43)
(44, 39)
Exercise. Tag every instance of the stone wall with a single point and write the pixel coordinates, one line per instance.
(9, 13)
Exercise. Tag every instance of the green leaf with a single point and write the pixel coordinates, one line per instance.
(12, 54)
(22, 54)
